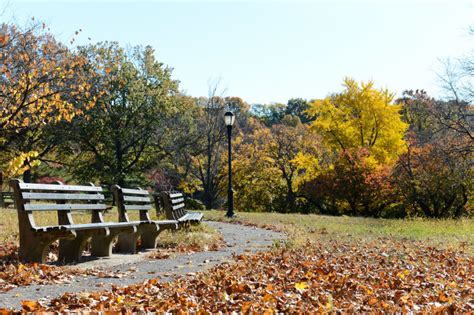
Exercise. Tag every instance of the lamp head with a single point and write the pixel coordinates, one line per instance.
(229, 118)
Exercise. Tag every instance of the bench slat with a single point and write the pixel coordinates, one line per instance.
(181, 205)
(195, 215)
(175, 195)
(87, 226)
(175, 201)
(53, 207)
(157, 222)
(165, 222)
(137, 207)
(28, 186)
(52, 196)
(191, 216)
(134, 191)
(133, 198)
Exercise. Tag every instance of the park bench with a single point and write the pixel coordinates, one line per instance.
(147, 229)
(173, 206)
(35, 240)
(6, 199)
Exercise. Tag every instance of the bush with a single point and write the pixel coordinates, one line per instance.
(194, 204)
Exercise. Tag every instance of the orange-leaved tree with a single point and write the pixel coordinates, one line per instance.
(41, 83)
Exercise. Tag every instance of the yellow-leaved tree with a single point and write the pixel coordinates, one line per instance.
(41, 83)
(265, 165)
(363, 133)
(256, 178)
(361, 117)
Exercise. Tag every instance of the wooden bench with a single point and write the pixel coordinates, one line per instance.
(35, 240)
(147, 229)
(173, 205)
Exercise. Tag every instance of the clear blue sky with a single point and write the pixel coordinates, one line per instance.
(270, 51)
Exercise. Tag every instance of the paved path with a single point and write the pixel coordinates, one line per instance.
(139, 268)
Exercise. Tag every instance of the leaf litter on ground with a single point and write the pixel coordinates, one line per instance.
(336, 276)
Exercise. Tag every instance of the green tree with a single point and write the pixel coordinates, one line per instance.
(298, 107)
(121, 137)
(272, 114)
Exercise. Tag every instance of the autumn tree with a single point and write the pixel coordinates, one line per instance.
(435, 180)
(435, 174)
(361, 117)
(353, 186)
(204, 160)
(363, 129)
(41, 82)
(289, 140)
(427, 117)
(257, 181)
(266, 170)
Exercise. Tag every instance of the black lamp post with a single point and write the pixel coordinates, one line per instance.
(229, 119)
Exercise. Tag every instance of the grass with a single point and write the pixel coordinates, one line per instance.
(301, 228)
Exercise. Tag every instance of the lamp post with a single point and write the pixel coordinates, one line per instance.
(229, 119)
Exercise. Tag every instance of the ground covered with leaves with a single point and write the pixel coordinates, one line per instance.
(14, 273)
(336, 276)
(326, 264)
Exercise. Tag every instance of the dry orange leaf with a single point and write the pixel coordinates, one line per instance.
(30, 306)
(245, 307)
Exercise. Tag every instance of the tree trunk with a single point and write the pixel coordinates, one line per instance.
(460, 208)
(291, 200)
(207, 185)
(425, 208)
(2, 203)
(119, 177)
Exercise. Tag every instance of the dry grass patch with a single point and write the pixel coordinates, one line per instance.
(195, 238)
(448, 234)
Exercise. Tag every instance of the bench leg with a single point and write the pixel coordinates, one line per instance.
(127, 243)
(149, 239)
(101, 246)
(34, 249)
(71, 250)
(184, 225)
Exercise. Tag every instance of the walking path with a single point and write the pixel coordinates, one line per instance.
(137, 268)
